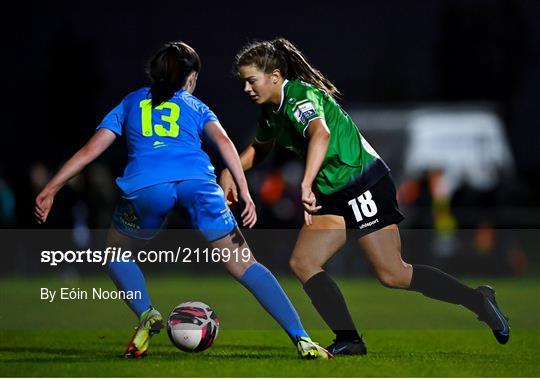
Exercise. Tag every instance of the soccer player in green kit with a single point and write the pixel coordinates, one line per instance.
(346, 186)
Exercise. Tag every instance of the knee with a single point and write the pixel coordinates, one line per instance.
(396, 278)
(303, 268)
(238, 269)
(295, 265)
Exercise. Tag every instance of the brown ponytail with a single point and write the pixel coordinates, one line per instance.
(283, 55)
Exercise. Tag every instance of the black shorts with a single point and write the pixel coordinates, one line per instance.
(365, 211)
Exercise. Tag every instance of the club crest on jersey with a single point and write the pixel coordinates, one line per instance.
(292, 100)
(304, 112)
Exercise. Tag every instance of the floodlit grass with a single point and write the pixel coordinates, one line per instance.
(406, 334)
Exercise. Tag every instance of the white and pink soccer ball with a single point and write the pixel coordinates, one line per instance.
(192, 326)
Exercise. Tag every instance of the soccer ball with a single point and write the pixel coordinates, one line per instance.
(192, 326)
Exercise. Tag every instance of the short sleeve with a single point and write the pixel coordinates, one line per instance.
(264, 132)
(307, 107)
(207, 116)
(114, 120)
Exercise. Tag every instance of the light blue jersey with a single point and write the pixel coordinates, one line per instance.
(164, 143)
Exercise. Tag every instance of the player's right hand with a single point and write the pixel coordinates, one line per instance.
(228, 185)
(44, 202)
(249, 214)
(309, 201)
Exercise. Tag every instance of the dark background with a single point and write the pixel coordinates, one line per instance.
(68, 63)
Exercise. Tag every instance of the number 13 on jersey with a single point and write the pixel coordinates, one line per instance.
(171, 119)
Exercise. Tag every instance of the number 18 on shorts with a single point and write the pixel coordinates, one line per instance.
(364, 210)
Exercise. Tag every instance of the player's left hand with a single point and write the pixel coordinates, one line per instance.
(309, 201)
(249, 214)
(44, 202)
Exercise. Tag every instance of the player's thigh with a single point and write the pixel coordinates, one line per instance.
(371, 216)
(205, 202)
(382, 248)
(368, 210)
(141, 213)
(318, 242)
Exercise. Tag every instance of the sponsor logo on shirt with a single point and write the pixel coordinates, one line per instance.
(304, 112)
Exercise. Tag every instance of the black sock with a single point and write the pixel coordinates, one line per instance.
(329, 302)
(434, 283)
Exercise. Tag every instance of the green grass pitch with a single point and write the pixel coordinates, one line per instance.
(406, 333)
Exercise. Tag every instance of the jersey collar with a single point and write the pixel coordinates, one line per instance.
(282, 96)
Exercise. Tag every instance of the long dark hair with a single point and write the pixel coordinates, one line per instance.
(169, 68)
(283, 55)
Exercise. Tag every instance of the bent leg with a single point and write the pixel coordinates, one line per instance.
(262, 284)
(382, 249)
(137, 217)
(237, 264)
(316, 244)
(127, 276)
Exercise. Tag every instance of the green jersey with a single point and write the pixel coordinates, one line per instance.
(349, 155)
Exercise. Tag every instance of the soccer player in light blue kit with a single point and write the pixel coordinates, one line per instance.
(167, 170)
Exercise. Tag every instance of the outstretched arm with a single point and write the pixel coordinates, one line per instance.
(217, 135)
(99, 142)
